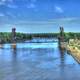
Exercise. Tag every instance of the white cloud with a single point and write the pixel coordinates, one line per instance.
(2, 15)
(3, 2)
(11, 6)
(58, 9)
(31, 5)
(8, 3)
(10, 15)
(6, 0)
(33, 0)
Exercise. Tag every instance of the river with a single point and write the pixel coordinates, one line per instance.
(37, 61)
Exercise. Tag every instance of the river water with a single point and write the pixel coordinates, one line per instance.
(37, 61)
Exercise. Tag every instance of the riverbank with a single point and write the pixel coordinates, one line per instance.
(74, 49)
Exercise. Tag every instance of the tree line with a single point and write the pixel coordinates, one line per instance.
(5, 37)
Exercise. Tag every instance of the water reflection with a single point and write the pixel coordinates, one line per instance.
(62, 57)
(62, 66)
(32, 62)
(14, 53)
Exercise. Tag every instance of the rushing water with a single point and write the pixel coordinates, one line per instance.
(37, 61)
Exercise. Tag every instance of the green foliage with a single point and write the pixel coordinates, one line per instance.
(6, 37)
(72, 35)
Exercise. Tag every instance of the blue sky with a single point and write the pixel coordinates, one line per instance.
(29, 15)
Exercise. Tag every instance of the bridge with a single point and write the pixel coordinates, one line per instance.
(60, 39)
(42, 40)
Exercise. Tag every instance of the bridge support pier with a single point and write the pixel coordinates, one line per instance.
(62, 43)
(13, 45)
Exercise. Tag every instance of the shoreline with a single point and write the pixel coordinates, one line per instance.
(75, 53)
